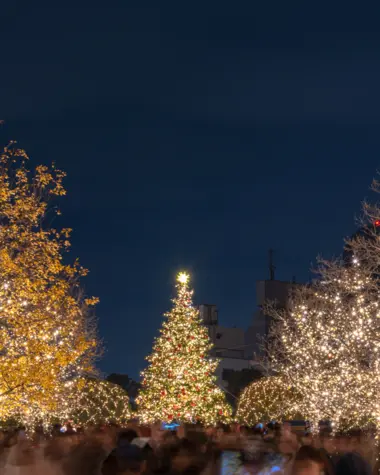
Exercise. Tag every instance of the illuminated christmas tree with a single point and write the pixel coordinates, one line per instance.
(179, 383)
(46, 336)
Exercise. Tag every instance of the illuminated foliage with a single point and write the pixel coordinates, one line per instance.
(46, 335)
(328, 346)
(265, 400)
(98, 401)
(179, 383)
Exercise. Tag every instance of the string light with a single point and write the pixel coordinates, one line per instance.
(179, 383)
(97, 401)
(267, 399)
(327, 347)
(47, 337)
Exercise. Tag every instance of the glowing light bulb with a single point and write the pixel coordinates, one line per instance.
(183, 277)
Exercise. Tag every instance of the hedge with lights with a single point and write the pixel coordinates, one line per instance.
(265, 400)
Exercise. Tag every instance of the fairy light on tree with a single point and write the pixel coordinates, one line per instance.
(267, 399)
(46, 333)
(328, 346)
(179, 383)
(97, 401)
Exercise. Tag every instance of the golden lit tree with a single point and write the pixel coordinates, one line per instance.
(46, 333)
(267, 399)
(328, 346)
(179, 383)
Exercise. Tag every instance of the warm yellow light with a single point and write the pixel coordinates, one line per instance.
(183, 277)
(182, 385)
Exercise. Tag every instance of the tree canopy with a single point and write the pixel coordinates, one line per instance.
(47, 337)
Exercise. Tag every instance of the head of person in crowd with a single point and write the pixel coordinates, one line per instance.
(251, 433)
(352, 464)
(327, 442)
(287, 443)
(279, 429)
(11, 439)
(342, 442)
(126, 436)
(210, 431)
(187, 458)
(132, 463)
(122, 450)
(169, 439)
(59, 446)
(87, 457)
(105, 437)
(307, 439)
(354, 440)
(198, 438)
(125, 459)
(308, 461)
(257, 430)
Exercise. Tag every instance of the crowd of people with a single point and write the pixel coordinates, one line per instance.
(187, 450)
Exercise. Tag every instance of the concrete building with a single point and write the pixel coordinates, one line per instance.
(275, 291)
(238, 348)
(229, 342)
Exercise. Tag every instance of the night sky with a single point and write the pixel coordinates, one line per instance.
(195, 135)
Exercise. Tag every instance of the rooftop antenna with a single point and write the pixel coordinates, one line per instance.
(272, 267)
(310, 274)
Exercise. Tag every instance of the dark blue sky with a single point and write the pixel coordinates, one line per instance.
(195, 135)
